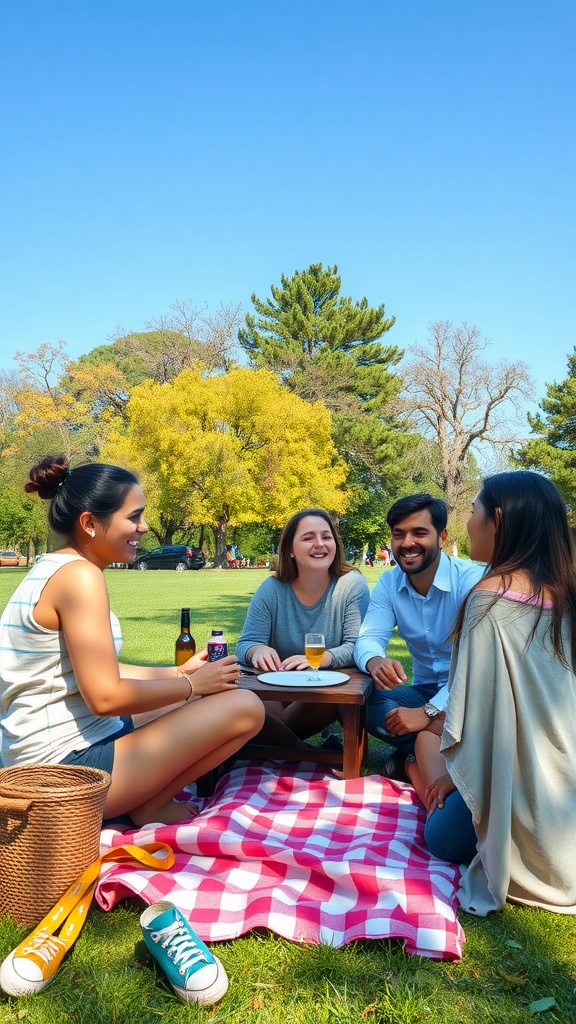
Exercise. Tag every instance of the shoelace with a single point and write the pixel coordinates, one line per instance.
(180, 946)
(44, 947)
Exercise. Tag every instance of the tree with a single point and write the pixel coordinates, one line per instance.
(323, 346)
(226, 451)
(23, 520)
(553, 450)
(209, 335)
(8, 408)
(102, 391)
(459, 400)
(47, 409)
(186, 337)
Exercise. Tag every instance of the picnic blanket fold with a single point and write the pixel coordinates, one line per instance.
(310, 857)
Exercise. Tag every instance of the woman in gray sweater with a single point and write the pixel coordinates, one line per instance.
(313, 591)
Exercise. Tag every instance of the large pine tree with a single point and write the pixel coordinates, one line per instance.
(320, 342)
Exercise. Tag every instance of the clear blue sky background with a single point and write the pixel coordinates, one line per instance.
(155, 151)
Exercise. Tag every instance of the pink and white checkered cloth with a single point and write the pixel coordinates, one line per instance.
(307, 856)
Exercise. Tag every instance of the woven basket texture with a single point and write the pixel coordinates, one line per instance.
(50, 822)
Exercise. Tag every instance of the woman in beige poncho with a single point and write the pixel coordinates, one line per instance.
(501, 795)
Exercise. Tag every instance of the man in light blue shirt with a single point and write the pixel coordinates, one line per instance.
(421, 596)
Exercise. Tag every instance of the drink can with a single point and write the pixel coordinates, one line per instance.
(217, 646)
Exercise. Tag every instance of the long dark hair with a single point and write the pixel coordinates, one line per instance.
(532, 535)
(287, 569)
(94, 487)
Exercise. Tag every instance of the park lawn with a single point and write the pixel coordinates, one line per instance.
(512, 959)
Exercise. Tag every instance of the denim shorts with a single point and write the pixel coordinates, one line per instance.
(101, 754)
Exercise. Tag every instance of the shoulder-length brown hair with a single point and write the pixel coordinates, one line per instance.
(287, 569)
(532, 535)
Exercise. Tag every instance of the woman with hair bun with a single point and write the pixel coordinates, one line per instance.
(64, 696)
(500, 785)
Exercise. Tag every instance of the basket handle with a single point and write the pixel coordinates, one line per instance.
(10, 807)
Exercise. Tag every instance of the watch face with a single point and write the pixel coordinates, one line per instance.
(430, 710)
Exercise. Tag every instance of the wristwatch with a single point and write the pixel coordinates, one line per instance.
(430, 710)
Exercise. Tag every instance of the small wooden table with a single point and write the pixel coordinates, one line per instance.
(350, 696)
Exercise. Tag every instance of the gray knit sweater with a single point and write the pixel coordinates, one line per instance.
(276, 617)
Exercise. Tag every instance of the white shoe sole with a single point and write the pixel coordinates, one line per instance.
(207, 995)
(14, 984)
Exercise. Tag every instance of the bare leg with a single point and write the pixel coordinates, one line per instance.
(429, 764)
(415, 779)
(157, 760)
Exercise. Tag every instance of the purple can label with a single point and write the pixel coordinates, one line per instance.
(217, 649)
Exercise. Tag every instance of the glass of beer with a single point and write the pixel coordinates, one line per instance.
(314, 647)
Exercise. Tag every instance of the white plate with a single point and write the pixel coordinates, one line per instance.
(300, 679)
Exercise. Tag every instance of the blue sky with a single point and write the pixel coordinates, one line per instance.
(188, 150)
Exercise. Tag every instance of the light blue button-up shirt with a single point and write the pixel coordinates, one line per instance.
(424, 623)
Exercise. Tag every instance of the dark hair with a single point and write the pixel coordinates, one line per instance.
(95, 487)
(532, 535)
(287, 569)
(437, 508)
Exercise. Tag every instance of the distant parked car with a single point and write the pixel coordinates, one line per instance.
(9, 558)
(171, 556)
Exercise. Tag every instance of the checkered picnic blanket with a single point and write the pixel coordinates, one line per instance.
(310, 857)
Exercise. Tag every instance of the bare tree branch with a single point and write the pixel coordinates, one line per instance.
(460, 400)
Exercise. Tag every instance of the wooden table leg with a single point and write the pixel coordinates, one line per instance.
(353, 738)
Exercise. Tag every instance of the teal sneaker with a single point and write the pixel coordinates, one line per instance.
(194, 973)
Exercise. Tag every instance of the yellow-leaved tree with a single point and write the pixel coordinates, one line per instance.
(226, 451)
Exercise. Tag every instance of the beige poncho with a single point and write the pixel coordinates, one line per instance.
(510, 746)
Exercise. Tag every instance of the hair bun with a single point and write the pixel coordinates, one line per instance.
(47, 476)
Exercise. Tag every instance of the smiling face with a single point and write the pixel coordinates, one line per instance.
(118, 539)
(481, 530)
(313, 546)
(416, 544)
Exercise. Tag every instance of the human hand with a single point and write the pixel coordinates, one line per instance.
(437, 791)
(436, 724)
(265, 658)
(401, 721)
(216, 676)
(386, 673)
(295, 663)
(195, 662)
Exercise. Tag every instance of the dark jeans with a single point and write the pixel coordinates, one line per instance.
(449, 832)
(380, 702)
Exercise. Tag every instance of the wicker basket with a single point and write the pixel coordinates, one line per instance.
(50, 821)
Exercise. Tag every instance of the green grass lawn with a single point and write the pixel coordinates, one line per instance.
(512, 959)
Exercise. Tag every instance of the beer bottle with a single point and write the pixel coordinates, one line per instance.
(185, 644)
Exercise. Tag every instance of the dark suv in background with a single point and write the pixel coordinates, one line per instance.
(171, 556)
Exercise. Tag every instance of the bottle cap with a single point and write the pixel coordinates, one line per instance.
(217, 632)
